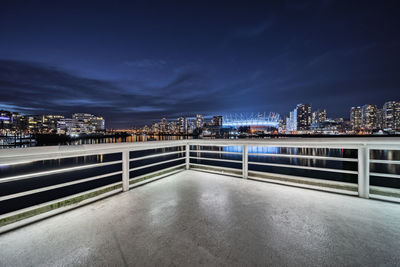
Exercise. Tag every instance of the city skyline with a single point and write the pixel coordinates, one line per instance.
(134, 63)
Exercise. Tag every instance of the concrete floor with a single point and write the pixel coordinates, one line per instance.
(194, 218)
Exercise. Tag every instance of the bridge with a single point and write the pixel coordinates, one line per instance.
(202, 202)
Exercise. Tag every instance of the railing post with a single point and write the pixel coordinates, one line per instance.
(187, 156)
(125, 170)
(363, 172)
(245, 165)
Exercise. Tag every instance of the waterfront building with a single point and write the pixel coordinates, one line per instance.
(391, 116)
(92, 122)
(163, 125)
(303, 117)
(199, 121)
(182, 125)
(356, 118)
(319, 116)
(369, 117)
(217, 121)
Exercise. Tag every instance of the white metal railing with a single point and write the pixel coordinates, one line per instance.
(182, 157)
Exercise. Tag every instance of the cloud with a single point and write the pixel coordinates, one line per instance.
(253, 31)
(146, 63)
(35, 88)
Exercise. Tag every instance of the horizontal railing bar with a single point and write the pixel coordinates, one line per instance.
(59, 152)
(216, 167)
(384, 161)
(146, 181)
(155, 164)
(157, 155)
(12, 213)
(216, 152)
(152, 173)
(304, 157)
(304, 182)
(388, 175)
(47, 188)
(213, 159)
(302, 167)
(38, 174)
(156, 147)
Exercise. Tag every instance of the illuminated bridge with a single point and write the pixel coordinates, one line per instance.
(252, 120)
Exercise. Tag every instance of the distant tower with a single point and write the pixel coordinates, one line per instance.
(303, 116)
(356, 118)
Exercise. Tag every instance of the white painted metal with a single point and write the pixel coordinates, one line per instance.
(214, 159)
(245, 158)
(381, 161)
(303, 157)
(60, 199)
(215, 152)
(155, 164)
(363, 145)
(302, 167)
(389, 175)
(125, 170)
(363, 172)
(187, 157)
(38, 174)
(152, 173)
(157, 155)
(47, 188)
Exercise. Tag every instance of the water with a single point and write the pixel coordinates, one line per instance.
(54, 179)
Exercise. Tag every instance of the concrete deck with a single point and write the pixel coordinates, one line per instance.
(194, 218)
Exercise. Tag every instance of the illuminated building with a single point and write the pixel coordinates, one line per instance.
(260, 120)
(319, 116)
(369, 117)
(356, 118)
(303, 117)
(391, 115)
(199, 121)
(92, 123)
(217, 121)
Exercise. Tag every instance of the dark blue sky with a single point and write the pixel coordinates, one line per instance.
(135, 62)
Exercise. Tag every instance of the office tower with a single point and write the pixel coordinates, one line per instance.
(319, 116)
(391, 115)
(182, 125)
(356, 118)
(217, 121)
(369, 117)
(199, 121)
(92, 123)
(163, 125)
(303, 117)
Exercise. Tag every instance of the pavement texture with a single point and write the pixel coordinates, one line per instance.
(194, 218)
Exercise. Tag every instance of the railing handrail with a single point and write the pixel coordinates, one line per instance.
(362, 145)
(91, 149)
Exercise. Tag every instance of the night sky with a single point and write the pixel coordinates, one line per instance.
(134, 63)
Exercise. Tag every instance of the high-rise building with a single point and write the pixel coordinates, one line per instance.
(182, 125)
(303, 117)
(356, 118)
(291, 121)
(163, 125)
(391, 115)
(199, 121)
(319, 116)
(93, 123)
(379, 119)
(369, 117)
(217, 121)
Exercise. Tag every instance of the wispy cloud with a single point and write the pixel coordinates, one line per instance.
(253, 31)
(146, 63)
